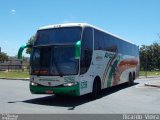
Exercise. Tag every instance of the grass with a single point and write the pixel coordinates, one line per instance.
(14, 74)
(149, 73)
(25, 74)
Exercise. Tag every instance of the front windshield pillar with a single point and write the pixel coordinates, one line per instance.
(86, 50)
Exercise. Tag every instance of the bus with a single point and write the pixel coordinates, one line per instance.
(79, 58)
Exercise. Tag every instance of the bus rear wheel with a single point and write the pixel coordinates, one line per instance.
(130, 79)
(96, 89)
(134, 76)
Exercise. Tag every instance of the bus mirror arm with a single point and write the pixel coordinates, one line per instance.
(20, 51)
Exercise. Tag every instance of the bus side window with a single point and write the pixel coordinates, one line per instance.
(103, 41)
(98, 40)
(86, 50)
(111, 44)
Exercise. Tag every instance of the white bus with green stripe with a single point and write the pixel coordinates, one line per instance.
(78, 58)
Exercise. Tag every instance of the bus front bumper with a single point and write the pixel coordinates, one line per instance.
(60, 90)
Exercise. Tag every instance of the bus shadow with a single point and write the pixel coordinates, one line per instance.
(72, 102)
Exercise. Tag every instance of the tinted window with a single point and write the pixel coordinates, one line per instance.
(40, 59)
(58, 35)
(86, 49)
(103, 41)
(54, 60)
(99, 38)
(63, 61)
(107, 42)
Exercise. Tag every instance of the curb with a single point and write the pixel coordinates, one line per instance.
(142, 77)
(24, 79)
(152, 85)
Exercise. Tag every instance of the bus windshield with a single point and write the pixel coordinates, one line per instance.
(54, 52)
(54, 60)
(58, 36)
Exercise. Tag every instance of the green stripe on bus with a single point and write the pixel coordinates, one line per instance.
(112, 72)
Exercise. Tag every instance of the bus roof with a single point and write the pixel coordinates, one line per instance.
(81, 25)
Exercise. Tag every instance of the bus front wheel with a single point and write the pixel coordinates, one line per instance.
(96, 89)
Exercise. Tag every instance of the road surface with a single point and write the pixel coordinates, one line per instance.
(15, 98)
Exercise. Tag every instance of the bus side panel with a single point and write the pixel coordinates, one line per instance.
(112, 68)
(119, 70)
(86, 81)
(96, 69)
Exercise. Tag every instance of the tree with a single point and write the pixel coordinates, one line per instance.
(30, 44)
(3, 57)
(150, 56)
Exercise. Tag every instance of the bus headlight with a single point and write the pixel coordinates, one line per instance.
(70, 84)
(34, 84)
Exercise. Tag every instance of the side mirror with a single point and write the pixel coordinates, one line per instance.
(78, 49)
(20, 51)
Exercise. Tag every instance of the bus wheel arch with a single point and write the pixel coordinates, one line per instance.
(96, 89)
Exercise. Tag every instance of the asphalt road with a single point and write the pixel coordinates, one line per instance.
(15, 98)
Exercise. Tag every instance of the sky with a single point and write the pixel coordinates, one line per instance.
(137, 21)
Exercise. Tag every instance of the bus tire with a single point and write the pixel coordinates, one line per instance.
(134, 76)
(130, 79)
(96, 89)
